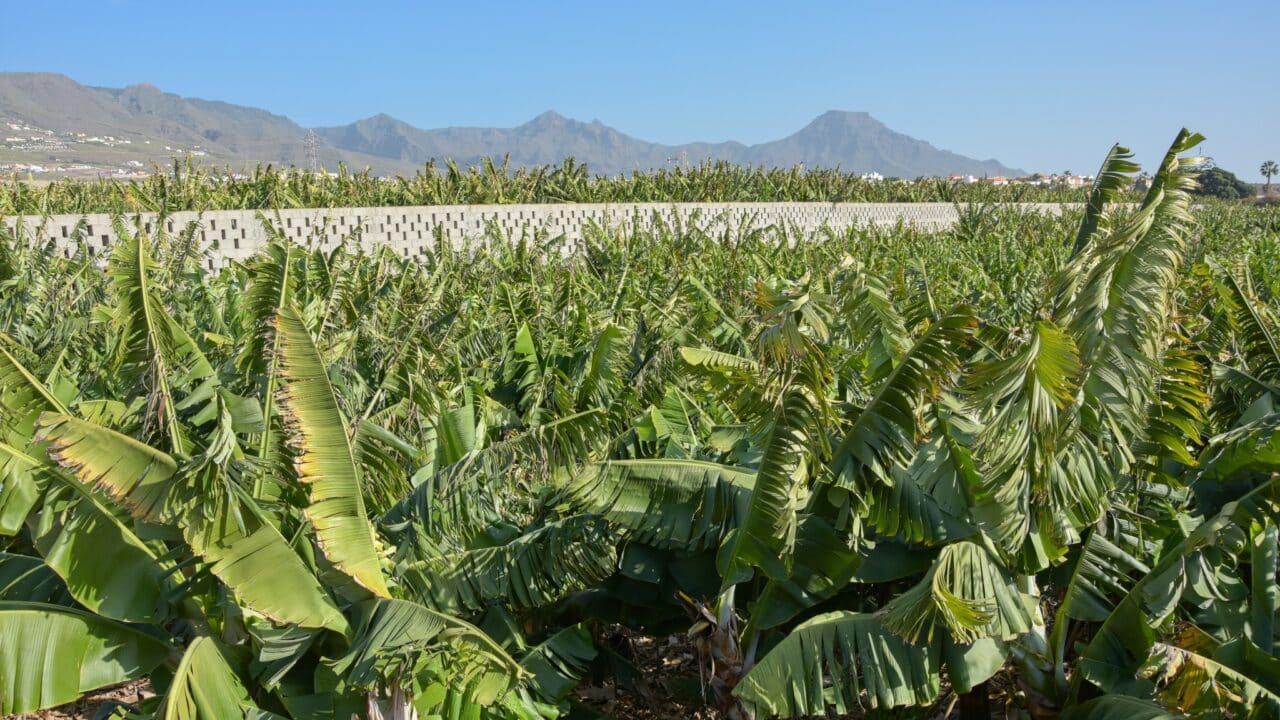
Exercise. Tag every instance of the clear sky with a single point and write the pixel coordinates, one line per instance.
(1042, 85)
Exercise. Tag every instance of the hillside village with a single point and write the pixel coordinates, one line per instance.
(18, 138)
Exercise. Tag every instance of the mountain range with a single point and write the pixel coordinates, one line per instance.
(158, 125)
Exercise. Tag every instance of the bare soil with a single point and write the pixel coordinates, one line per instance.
(129, 693)
(670, 689)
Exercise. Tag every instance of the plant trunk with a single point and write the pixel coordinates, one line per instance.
(720, 657)
(397, 706)
(1028, 653)
(976, 704)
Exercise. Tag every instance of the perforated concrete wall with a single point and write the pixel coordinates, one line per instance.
(238, 234)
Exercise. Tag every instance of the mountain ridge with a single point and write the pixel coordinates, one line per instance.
(854, 141)
(239, 135)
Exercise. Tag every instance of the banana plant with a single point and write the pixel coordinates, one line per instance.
(883, 469)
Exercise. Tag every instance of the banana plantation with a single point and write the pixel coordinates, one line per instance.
(189, 186)
(1027, 467)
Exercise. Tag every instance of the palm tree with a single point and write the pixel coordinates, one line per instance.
(1268, 169)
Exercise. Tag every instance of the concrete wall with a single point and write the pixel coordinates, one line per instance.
(238, 234)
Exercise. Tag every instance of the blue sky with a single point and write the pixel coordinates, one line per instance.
(1039, 85)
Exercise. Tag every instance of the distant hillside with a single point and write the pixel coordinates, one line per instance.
(854, 141)
(228, 134)
(858, 142)
(238, 135)
(547, 139)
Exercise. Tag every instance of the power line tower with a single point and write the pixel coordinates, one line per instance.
(312, 144)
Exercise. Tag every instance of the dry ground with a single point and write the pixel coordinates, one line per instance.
(85, 708)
